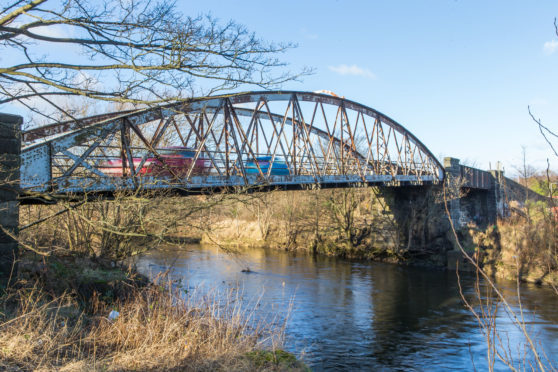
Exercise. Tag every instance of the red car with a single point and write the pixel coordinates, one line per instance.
(171, 160)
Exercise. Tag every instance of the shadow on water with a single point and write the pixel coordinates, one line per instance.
(351, 315)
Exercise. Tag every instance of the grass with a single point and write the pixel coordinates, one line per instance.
(156, 330)
(278, 359)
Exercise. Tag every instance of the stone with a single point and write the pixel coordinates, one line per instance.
(9, 169)
(10, 149)
(10, 119)
(456, 259)
(10, 126)
(9, 213)
(7, 192)
(10, 160)
(10, 145)
(8, 251)
(5, 237)
(451, 162)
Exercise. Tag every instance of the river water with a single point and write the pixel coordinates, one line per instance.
(359, 315)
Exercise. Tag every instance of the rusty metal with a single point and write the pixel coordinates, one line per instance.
(476, 178)
(66, 126)
(331, 140)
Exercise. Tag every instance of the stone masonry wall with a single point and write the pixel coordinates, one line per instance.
(518, 192)
(10, 148)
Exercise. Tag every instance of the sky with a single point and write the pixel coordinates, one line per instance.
(458, 74)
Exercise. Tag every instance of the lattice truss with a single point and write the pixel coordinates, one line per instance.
(243, 139)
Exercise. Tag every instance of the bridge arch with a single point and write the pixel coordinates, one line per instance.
(240, 140)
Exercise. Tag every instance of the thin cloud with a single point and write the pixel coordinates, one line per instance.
(352, 70)
(308, 35)
(538, 101)
(54, 31)
(550, 46)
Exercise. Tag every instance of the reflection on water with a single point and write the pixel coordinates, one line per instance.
(362, 315)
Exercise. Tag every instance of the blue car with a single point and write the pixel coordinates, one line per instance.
(279, 167)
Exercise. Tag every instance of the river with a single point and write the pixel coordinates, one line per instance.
(359, 315)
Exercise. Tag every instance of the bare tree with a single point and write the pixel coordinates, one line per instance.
(524, 171)
(138, 52)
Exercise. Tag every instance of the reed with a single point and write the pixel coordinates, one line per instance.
(158, 328)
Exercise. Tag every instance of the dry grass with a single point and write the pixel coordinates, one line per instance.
(530, 249)
(523, 246)
(157, 329)
(347, 222)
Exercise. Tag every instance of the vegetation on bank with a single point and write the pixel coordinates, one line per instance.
(350, 223)
(144, 327)
(58, 312)
(523, 246)
(360, 223)
(541, 182)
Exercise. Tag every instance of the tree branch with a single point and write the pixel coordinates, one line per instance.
(13, 15)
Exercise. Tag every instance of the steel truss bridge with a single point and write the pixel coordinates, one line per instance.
(315, 139)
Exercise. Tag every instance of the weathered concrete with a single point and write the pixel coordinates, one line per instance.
(422, 222)
(453, 174)
(473, 196)
(484, 197)
(512, 190)
(10, 147)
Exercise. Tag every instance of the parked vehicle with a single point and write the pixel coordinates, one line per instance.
(171, 160)
(279, 167)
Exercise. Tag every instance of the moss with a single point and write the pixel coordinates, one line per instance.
(59, 269)
(78, 275)
(102, 275)
(277, 360)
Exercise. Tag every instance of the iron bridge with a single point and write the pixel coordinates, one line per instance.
(270, 138)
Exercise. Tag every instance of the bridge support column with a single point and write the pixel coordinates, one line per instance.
(497, 197)
(10, 148)
(453, 172)
(420, 222)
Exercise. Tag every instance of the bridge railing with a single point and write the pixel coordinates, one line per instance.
(476, 178)
(305, 135)
(111, 166)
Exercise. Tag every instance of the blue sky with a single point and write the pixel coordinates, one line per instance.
(458, 74)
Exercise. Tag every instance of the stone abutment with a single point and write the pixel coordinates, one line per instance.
(10, 147)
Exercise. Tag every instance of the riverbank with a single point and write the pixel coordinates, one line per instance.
(360, 224)
(71, 287)
(72, 314)
(516, 248)
(353, 315)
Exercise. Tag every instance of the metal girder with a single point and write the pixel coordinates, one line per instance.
(227, 138)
